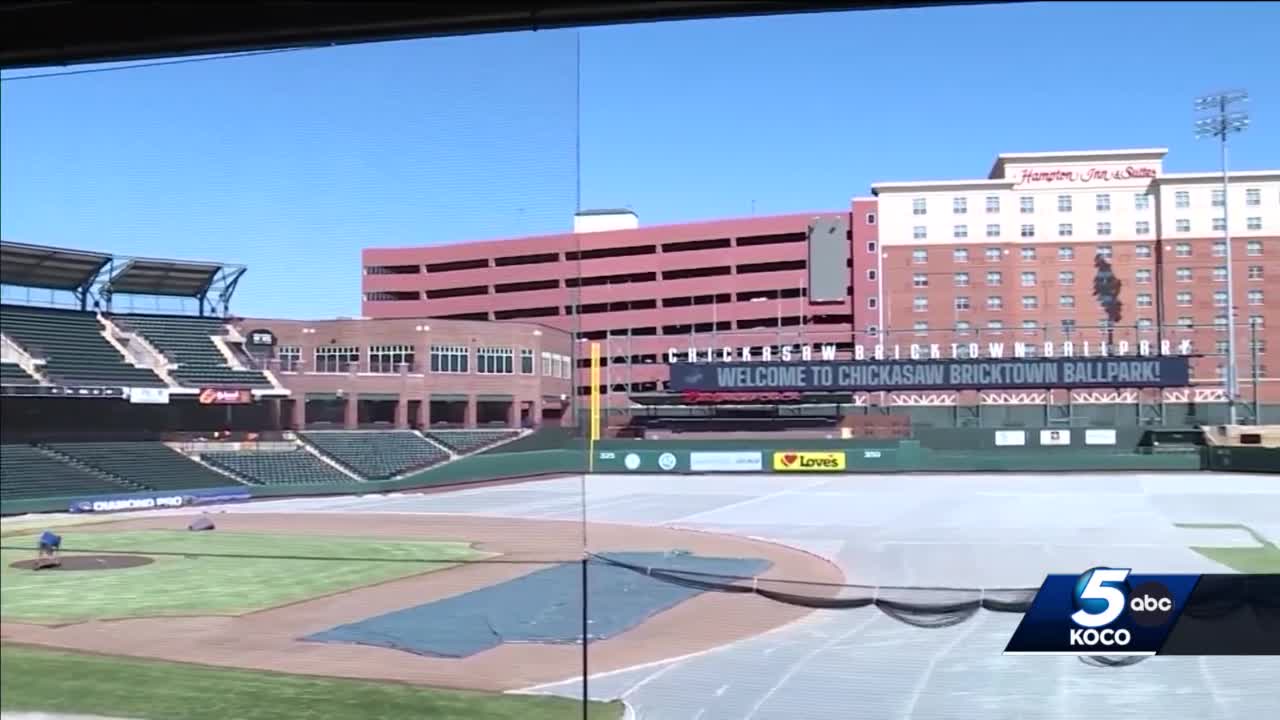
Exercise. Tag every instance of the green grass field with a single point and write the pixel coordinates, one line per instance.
(37, 680)
(193, 585)
(1265, 558)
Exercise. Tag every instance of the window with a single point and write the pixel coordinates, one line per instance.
(1142, 251)
(995, 302)
(494, 361)
(1028, 253)
(1219, 224)
(1182, 298)
(1220, 249)
(1068, 325)
(1253, 223)
(872, 330)
(993, 203)
(920, 304)
(1066, 278)
(1065, 230)
(334, 359)
(1066, 253)
(871, 246)
(1144, 323)
(960, 255)
(526, 361)
(1253, 247)
(961, 279)
(1028, 279)
(389, 358)
(992, 254)
(1182, 274)
(871, 303)
(1104, 228)
(871, 275)
(1256, 321)
(1067, 301)
(1064, 203)
(1253, 197)
(993, 231)
(1142, 227)
(1255, 297)
(1028, 231)
(1219, 198)
(1030, 302)
(994, 278)
(1144, 300)
(1102, 202)
(962, 302)
(1182, 250)
(871, 218)
(959, 206)
(921, 327)
(452, 359)
(918, 232)
(1026, 204)
(919, 255)
(1220, 347)
(1220, 274)
(289, 357)
(1220, 298)
(1143, 277)
(1103, 251)
(549, 366)
(963, 327)
(996, 325)
(1141, 201)
(1030, 326)
(1182, 225)
(1184, 322)
(920, 280)
(919, 207)
(960, 232)
(1182, 199)
(1255, 272)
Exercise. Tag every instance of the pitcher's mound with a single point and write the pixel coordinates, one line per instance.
(88, 562)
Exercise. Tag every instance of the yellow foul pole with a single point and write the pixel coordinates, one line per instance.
(595, 407)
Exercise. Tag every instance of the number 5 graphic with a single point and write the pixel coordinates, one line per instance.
(1097, 589)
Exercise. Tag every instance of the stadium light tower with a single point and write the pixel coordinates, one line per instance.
(1219, 123)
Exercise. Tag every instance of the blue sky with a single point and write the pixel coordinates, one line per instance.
(291, 163)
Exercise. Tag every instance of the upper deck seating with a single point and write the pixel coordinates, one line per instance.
(73, 347)
(13, 374)
(187, 342)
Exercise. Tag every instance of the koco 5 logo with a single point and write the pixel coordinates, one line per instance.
(1102, 597)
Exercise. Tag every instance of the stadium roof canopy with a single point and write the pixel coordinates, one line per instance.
(48, 267)
(171, 278)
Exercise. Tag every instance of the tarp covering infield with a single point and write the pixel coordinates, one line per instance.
(544, 606)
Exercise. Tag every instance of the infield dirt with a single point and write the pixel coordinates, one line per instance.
(269, 639)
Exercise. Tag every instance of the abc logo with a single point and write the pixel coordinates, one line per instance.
(1102, 596)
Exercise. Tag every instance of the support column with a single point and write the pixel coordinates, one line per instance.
(424, 412)
(351, 412)
(469, 417)
(402, 413)
(300, 412)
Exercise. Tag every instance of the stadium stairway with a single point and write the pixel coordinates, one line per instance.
(191, 346)
(149, 465)
(74, 346)
(28, 471)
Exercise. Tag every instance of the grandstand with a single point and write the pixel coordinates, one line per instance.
(464, 442)
(188, 343)
(30, 472)
(296, 466)
(377, 455)
(149, 465)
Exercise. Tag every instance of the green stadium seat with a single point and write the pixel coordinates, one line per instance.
(29, 472)
(186, 341)
(152, 465)
(377, 454)
(13, 374)
(289, 467)
(73, 347)
(463, 442)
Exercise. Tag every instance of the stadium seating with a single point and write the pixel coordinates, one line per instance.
(377, 455)
(152, 465)
(73, 347)
(13, 374)
(290, 467)
(28, 472)
(469, 441)
(187, 342)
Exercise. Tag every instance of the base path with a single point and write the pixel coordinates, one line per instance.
(271, 639)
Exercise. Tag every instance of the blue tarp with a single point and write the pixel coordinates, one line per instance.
(542, 607)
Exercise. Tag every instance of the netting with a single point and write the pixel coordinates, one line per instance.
(926, 607)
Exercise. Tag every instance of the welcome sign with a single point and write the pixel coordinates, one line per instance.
(1012, 374)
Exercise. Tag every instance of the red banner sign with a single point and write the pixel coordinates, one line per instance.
(213, 396)
(1087, 175)
(693, 397)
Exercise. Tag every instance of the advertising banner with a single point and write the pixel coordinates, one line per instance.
(809, 461)
(908, 375)
(58, 391)
(215, 396)
(1100, 436)
(118, 503)
(726, 461)
(1055, 437)
(1008, 438)
(149, 396)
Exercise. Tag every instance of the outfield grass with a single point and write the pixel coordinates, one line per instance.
(37, 680)
(193, 585)
(1265, 558)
